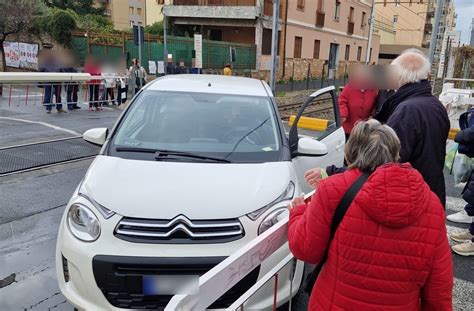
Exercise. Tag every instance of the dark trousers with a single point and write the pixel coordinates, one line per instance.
(94, 95)
(470, 211)
(121, 100)
(49, 92)
(110, 92)
(71, 96)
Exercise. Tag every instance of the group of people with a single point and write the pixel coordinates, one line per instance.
(377, 225)
(100, 91)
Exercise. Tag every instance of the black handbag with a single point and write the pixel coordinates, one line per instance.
(339, 213)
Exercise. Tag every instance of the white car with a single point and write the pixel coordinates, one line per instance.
(196, 167)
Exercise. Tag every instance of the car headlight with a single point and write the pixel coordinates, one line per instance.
(272, 219)
(105, 212)
(83, 223)
(285, 196)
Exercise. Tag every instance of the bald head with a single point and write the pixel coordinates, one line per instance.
(412, 66)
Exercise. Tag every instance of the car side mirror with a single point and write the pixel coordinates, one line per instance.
(96, 136)
(310, 147)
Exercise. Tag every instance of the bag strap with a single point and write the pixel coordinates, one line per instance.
(341, 210)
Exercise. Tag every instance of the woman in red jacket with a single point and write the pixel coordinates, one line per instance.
(357, 99)
(390, 252)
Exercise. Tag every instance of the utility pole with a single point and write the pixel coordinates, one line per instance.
(276, 10)
(434, 34)
(165, 48)
(371, 31)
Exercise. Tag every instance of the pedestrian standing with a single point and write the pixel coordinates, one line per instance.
(110, 83)
(51, 90)
(420, 120)
(465, 139)
(390, 249)
(137, 75)
(357, 99)
(227, 70)
(91, 67)
(72, 88)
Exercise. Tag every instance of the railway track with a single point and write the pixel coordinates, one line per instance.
(319, 109)
(34, 156)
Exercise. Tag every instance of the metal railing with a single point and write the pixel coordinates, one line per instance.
(48, 89)
(217, 281)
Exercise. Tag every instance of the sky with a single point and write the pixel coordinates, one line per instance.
(465, 11)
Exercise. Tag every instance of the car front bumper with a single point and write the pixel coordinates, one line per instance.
(106, 274)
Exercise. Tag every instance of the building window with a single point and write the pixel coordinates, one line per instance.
(362, 23)
(351, 15)
(359, 53)
(317, 47)
(337, 11)
(397, 2)
(298, 46)
(395, 18)
(267, 42)
(139, 11)
(300, 5)
(348, 52)
(131, 10)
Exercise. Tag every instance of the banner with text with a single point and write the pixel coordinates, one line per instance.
(21, 55)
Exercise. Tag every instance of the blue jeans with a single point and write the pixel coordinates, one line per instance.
(470, 211)
(49, 92)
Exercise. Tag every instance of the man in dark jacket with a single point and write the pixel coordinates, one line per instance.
(465, 139)
(420, 120)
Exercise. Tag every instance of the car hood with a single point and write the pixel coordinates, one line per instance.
(163, 190)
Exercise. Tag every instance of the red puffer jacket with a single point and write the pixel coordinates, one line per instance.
(355, 105)
(390, 251)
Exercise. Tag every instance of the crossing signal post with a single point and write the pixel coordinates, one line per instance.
(138, 39)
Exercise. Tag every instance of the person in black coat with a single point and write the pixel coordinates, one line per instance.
(465, 139)
(420, 121)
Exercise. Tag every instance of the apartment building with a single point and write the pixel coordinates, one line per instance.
(124, 13)
(329, 30)
(323, 30)
(412, 20)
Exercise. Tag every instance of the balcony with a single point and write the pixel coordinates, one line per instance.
(222, 9)
(350, 28)
(320, 16)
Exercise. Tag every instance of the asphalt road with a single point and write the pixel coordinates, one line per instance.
(31, 205)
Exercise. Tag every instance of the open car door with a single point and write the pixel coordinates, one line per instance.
(317, 119)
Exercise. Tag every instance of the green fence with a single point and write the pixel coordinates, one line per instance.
(214, 56)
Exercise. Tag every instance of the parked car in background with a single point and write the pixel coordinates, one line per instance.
(196, 167)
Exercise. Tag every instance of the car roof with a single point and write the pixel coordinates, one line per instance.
(213, 84)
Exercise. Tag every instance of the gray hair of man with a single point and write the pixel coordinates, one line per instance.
(370, 145)
(412, 66)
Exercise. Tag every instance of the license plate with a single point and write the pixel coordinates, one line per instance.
(170, 285)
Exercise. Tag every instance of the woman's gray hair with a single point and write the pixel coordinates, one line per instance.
(370, 145)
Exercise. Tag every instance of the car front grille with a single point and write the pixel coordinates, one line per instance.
(120, 278)
(178, 230)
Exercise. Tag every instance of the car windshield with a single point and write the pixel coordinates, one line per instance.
(222, 126)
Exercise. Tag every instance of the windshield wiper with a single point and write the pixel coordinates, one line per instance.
(163, 153)
(246, 135)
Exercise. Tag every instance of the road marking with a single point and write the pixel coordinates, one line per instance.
(58, 128)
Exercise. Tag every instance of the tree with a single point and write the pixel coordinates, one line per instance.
(16, 17)
(81, 7)
(154, 29)
(61, 25)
